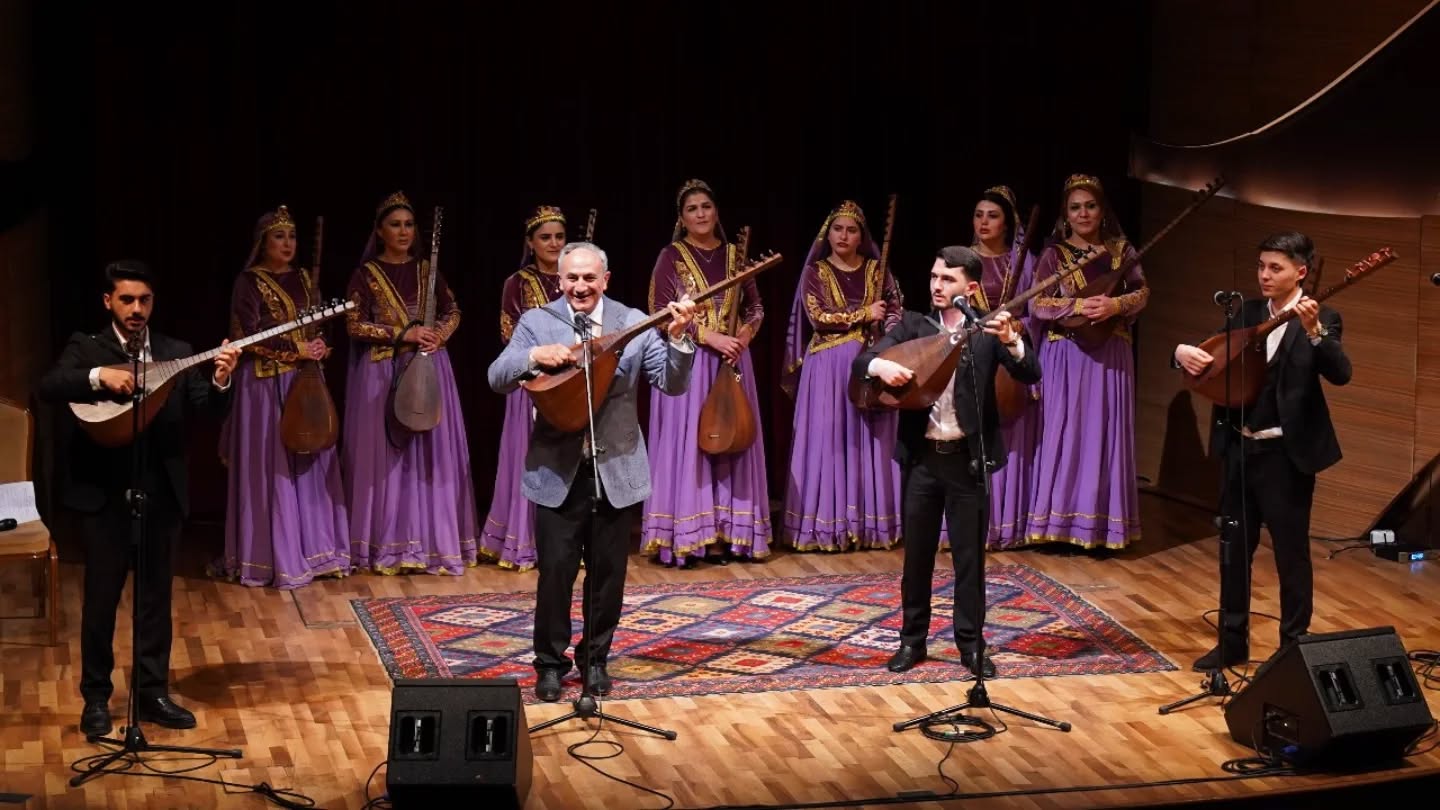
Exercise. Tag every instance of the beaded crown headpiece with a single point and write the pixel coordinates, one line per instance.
(847, 208)
(692, 185)
(1008, 194)
(396, 200)
(272, 220)
(1075, 181)
(542, 215)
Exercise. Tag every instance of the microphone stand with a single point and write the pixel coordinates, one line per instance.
(588, 705)
(133, 743)
(977, 697)
(1215, 683)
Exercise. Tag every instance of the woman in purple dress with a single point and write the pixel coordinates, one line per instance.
(699, 501)
(998, 239)
(285, 520)
(508, 536)
(412, 504)
(843, 490)
(1084, 476)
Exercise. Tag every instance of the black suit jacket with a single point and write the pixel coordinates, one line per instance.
(1309, 435)
(910, 440)
(88, 474)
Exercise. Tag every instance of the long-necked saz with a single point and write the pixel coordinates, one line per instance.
(933, 359)
(415, 399)
(111, 423)
(727, 423)
(1245, 364)
(1011, 396)
(308, 421)
(1091, 334)
(559, 395)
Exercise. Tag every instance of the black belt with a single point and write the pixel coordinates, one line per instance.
(948, 446)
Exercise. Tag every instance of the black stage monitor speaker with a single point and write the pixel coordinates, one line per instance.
(1333, 700)
(458, 740)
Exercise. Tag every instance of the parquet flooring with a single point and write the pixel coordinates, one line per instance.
(290, 678)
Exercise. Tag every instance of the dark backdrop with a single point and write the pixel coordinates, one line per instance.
(166, 132)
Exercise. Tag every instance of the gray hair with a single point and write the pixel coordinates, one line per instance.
(571, 247)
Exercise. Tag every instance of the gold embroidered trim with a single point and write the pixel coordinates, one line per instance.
(694, 279)
(820, 342)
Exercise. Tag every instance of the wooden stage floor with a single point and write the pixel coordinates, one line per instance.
(290, 678)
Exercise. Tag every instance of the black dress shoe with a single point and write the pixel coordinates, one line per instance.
(987, 667)
(547, 685)
(905, 658)
(599, 680)
(95, 719)
(1235, 655)
(162, 711)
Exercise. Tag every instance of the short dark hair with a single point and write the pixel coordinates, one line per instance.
(1296, 246)
(962, 257)
(128, 270)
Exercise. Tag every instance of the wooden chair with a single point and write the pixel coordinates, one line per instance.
(30, 541)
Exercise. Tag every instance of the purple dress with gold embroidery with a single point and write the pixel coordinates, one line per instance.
(698, 499)
(843, 487)
(285, 519)
(508, 536)
(1011, 488)
(1084, 476)
(412, 504)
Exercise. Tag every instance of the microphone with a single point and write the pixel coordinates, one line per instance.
(1223, 297)
(7, 524)
(1435, 279)
(961, 303)
(135, 344)
(582, 325)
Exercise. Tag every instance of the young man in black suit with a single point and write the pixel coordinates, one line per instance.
(1286, 438)
(940, 451)
(93, 483)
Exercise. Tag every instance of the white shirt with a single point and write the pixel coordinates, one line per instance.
(596, 316)
(944, 424)
(1272, 345)
(1272, 340)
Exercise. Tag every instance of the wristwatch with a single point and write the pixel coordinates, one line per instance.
(1319, 334)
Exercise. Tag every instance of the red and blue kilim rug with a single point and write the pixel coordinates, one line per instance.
(697, 638)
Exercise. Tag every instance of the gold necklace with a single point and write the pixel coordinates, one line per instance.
(701, 251)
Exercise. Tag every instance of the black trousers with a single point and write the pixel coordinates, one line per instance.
(108, 556)
(1278, 495)
(943, 485)
(560, 538)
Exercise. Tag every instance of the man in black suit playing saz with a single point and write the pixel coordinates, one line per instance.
(92, 484)
(940, 450)
(1286, 438)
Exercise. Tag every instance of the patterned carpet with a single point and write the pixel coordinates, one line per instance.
(697, 638)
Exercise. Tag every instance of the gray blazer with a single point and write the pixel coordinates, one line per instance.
(554, 456)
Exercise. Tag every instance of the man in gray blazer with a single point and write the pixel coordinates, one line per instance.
(560, 467)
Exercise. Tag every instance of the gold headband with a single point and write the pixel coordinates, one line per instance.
(281, 220)
(848, 208)
(1075, 181)
(396, 200)
(1004, 191)
(542, 215)
(693, 185)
